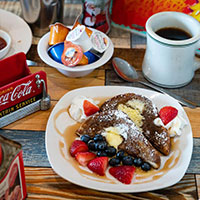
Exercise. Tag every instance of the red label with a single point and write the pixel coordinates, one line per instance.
(19, 91)
(13, 175)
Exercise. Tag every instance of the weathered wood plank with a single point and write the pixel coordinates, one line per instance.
(138, 41)
(43, 183)
(198, 184)
(194, 166)
(33, 145)
(194, 117)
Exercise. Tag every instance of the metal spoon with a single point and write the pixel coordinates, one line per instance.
(128, 73)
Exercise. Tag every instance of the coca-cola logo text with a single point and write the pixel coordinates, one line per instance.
(18, 92)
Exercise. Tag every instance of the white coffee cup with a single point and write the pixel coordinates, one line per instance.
(171, 63)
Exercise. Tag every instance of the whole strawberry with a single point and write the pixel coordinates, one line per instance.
(167, 114)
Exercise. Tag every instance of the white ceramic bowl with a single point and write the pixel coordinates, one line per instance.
(77, 71)
(7, 38)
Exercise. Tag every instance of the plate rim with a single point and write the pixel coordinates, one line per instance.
(28, 32)
(119, 190)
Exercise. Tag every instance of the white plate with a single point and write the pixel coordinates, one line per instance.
(19, 31)
(64, 165)
(77, 71)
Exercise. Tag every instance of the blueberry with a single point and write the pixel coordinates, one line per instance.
(101, 153)
(120, 154)
(85, 138)
(114, 161)
(100, 145)
(111, 151)
(127, 160)
(92, 145)
(146, 166)
(98, 137)
(137, 162)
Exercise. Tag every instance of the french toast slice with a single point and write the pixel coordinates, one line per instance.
(142, 112)
(134, 142)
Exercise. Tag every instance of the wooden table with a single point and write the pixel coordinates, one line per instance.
(42, 182)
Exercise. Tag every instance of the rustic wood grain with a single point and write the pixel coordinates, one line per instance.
(194, 117)
(198, 184)
(43, 183)
(138, 41)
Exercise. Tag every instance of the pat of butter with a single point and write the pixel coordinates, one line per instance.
(113, 136)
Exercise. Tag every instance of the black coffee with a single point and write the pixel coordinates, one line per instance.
(173, 34)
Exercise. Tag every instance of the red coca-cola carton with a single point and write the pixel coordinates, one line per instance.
(12, 177)
(21, 93)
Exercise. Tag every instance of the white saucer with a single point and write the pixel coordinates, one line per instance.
(19, 31)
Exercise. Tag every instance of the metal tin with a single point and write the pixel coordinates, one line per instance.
(12, 177)
(96, 14)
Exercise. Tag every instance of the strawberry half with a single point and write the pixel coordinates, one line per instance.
(167, 114)
(78, 146)
(98, 165)
(89, 108)
(123, 174)
(84, 157)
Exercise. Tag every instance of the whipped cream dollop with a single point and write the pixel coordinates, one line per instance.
(76, 109)
(174, 127)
